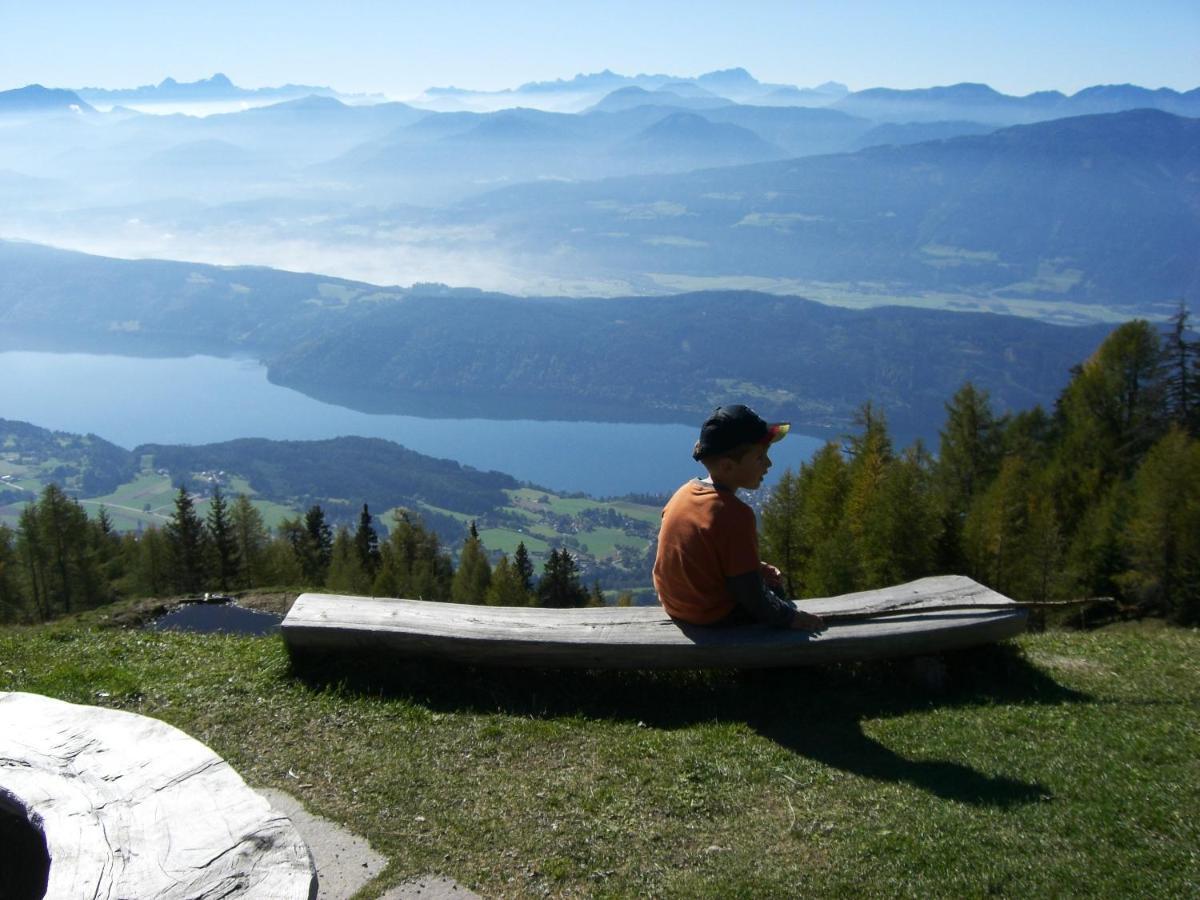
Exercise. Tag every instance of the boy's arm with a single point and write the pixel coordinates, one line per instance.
(752, 594)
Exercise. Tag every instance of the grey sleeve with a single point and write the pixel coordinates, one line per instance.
(759, 601)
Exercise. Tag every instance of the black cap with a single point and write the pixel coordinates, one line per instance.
(732, 426)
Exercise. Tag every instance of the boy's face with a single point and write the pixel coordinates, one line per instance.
(747, 472)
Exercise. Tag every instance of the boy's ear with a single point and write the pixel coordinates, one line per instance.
(720, 465)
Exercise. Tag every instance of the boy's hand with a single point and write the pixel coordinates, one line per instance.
(807, 622)
(771, 576)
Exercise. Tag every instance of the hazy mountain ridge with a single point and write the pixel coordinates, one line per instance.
(393, 193)
(216, 87)
(1096, 209)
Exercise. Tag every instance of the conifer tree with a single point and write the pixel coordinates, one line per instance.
(12, 605)
(186, 542)
(250, 538)
(346, 575)
(366, 542)
(559, 587)
(33, 558)
(968, 459)
(474, 572)
(222, 542)
(825, 537)
(413, 564)
(1112, 411)
(506, 587)
(1162, 533)
(523, 566)
(315, 546)
(152, 574)
(1181, 374)
(779, 529)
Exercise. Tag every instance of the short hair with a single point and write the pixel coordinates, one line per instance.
(734, 453)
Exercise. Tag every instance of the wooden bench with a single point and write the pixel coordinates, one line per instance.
(128, 806)
(921, 617)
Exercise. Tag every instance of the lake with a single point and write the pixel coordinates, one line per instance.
(207, 399)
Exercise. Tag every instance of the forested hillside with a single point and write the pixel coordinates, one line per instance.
(441, 352)
(1100, 498)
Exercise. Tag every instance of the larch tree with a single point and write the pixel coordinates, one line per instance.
(250, 536)
(506, 587)
(473, 574)
(346, 574)
(1162, 533)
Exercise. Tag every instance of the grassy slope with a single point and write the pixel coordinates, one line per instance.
(1064, 765)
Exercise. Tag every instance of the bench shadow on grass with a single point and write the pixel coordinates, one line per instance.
(816, 713)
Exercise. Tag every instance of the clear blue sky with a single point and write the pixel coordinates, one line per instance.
(399, 48)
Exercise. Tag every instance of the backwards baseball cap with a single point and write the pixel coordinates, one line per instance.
(732, 426)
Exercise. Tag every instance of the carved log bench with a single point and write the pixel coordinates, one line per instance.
(921, 617)
(129, 807)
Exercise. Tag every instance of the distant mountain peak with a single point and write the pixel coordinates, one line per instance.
(730, 77)
(34, 98)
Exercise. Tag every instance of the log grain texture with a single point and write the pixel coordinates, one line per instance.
(131, 807)
(916, 623)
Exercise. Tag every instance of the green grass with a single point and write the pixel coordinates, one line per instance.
(1068, 764)
(603, 542)
(506, 540)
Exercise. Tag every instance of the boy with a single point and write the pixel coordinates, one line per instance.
(707, 571)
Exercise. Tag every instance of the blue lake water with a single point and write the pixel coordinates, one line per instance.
(209, 618)
(206, 399)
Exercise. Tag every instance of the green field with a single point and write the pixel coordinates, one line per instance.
(1064, 765)
(592, 530)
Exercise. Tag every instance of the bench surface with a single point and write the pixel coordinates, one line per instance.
(129, 806)
(645, 637)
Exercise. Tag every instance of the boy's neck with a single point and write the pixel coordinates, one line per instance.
(708, 479)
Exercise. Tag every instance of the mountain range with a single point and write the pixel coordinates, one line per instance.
(927, 197)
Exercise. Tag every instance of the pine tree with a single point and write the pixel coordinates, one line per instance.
(559, 587)
(222, 542)
(474, 573)
(186, 541)
(366, 542)
(523, 566)
(315, 546)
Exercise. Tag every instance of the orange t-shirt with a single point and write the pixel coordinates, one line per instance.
(707, 535)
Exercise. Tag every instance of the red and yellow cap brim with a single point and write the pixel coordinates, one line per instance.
(777, 432)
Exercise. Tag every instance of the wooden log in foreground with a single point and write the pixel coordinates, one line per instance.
(645, 637)
(130, 807)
